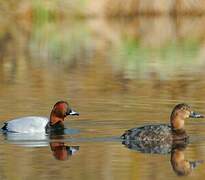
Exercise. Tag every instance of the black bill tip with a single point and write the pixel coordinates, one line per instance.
(196, 115)
(72, 113)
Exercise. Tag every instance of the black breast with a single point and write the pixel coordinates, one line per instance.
(57, 128)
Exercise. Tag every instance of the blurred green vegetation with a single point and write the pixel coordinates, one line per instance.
(135, 60)
(60, 44)
(42, 14)
(50, 31)
(46, 9)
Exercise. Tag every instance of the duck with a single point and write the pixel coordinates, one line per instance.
(163, 133)
(38, 124)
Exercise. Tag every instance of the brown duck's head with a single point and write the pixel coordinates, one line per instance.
(60, 110)
(180, 113)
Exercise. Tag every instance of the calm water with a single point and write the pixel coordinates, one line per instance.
(118, 74)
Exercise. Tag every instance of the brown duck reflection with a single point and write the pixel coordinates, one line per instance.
(61, 151)
(180, 165)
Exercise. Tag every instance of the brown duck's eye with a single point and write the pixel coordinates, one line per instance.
(185, 109)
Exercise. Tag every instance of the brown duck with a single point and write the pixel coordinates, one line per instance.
(164, 132)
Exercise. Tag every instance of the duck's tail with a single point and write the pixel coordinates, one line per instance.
(4, 128)
(125, 135)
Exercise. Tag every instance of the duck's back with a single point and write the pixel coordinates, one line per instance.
(29, 124)
(157, 133)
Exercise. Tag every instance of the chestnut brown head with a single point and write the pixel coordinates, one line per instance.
(60, 110)
(180, 113)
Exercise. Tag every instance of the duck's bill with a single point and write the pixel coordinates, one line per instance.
(72, 149)
(196, 115)
(73, 113)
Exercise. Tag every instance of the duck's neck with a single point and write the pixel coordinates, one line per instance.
(55, 120)
(178, 129)
(177, 124)
(179, 136)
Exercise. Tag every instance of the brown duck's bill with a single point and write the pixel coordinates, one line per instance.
(194, 164)
(196, 115)
(72, 113)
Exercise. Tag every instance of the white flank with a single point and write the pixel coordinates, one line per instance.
(29, 124)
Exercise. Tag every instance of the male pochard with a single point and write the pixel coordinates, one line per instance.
(164, 132)
(37, 124)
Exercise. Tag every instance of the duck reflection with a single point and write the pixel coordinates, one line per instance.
(56, 141)
(59, 149)
(180, 165)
